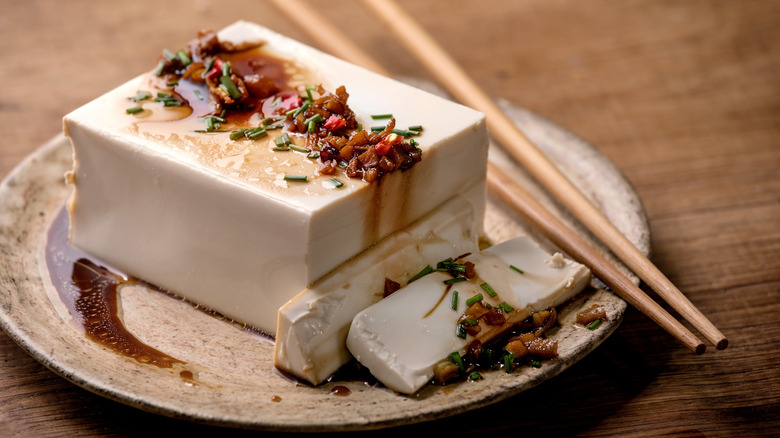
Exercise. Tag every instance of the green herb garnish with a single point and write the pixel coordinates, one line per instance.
(457, 360)
(486, 287)
(475, 299)
(509, 360)
(425, 271)
(506, 307)
(594, 324)
(455, 280)
(140, 96)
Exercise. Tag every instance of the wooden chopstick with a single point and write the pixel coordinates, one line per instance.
(502, 128)
(503, 187)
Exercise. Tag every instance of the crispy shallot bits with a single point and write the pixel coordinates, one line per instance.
(322, 118)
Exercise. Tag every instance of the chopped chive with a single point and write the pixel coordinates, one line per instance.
(536, 363)
(309, 89)
(454, 302)
(279, 142)
(455, 280)
(506, 307)
(134, 110)
(475, 375)
(405, 132)
(594, 324)
(257, 134)
(486, 287)
(294, 113)
(460, 331)
(281, 149)
(516, 269)
(377, 128)
(158, 71)
(182, 55)
(172, 83)
(509, 359)
(235, 135)
(425, 271)
(457, 360)
(343, 164)
(475, 299)
(336, 183)
(416, 128)
(271, 120)
(298, 148)
(167, 54)
(489, 356)
(315, 118)
(382, 116)
(470, 321)
(230, 86)
(286, 138)
(225, 69)
(140, 96)
(312, 121)
(298, 178)
(313, 155)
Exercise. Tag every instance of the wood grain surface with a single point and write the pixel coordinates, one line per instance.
(684, 97)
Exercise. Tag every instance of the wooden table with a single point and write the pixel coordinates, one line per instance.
(684, 97)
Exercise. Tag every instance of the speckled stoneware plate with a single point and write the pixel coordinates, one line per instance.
(233, 381)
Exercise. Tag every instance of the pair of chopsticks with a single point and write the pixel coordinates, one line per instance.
(444, 69)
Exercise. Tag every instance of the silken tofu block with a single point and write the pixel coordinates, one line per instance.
(312, 331)
(214, 220)
(400, 338)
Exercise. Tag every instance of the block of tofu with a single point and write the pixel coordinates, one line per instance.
(400, 338)
(312, 330)
(214, 219)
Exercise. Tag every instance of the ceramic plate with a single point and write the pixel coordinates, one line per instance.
(233, 382)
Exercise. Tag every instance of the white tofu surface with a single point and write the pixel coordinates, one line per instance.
(312, 331)
(400, 338)
(212, 219)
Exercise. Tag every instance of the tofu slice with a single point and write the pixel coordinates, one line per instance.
(400, 338)
(312, 328)
(214, 221)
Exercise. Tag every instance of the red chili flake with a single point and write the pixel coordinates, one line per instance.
(333, 123)
(387, 142)
(216, 69)
(290, 101)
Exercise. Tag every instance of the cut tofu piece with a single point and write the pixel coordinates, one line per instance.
(312, 331)
(400, 338)
(213, 220)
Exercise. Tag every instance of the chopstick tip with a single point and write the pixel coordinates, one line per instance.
(700, 349)
(722, 344)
